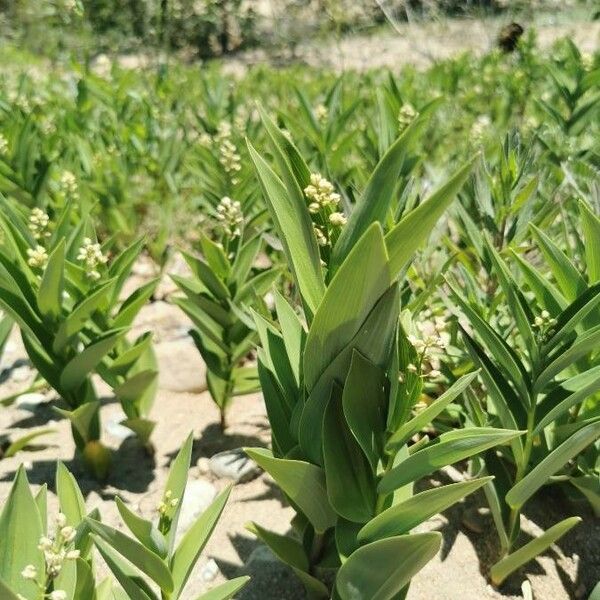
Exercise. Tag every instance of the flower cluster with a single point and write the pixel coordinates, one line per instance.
(320, 194)
(406, 116)
(230, 217)
(479, 128)
(39, 222)
(430, 341)
(37, 257)
(91, 255)
(165, 511)
(68, 185)
(321, 112)
(57, 550)
(228, 154)
(3, 144)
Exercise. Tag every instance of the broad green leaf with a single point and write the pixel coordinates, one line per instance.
(365, 403)
(590, 224)
(20, 531)
(418, 422)
(501, 570)
(188, 551)
(226, 590)
(176, 484)
(294, 336)
(70, 498)
(135, 587)
(380, 570)
(374, 203)
(79, 367)
(414, 229)
(145, 531)
(567, 276)
(144, 559)
(538, 476)
(294, 226)
(132, 305)
(401, 518)
(289, 550)
(303, 482)
(355, 289)
(49, 298)
(350, 480)
(448, 449)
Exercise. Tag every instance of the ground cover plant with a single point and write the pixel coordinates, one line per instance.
(400, 268)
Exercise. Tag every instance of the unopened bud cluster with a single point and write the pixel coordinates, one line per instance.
(230, 217)
(57, 550)
(37, 257)
(323, 203)
(68, 185)
(92, 257)
(228, 155)
(406, 116)
(3, 144)
(39, 224)
(165, 510)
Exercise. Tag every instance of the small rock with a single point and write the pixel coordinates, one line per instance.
(475, 519)
(181, 367)
(203, 465)
(234, 465)
(197, 498)
(21, 374)
(114, 428)
(261, 554)
(31, 401)
(210, 571)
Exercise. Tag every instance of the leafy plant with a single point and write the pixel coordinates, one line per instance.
(40, 560)
(339, 389)
(57, 286)
(526, 364)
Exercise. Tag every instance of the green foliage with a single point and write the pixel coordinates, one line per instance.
(41, 558)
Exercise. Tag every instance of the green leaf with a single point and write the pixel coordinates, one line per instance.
(25, 440)
(590, 224)
(133, 304)
(176, 484)
(374, 203)
(380, 570)
(145, 531)
(400, 437)
(355, 289)
(287, 549)
(20, 531)
(501, 570)
(226, 590)
(188, 551)
(448, 449)
(401, 518)
(134, 586)
(79, 367)
(537, 477)
(567, 276)
(414, 229)
(303, 482)
(70, 498)
(49, 296)
(365, 404)
(349, 476)
(144, 559)
(75, 322)
(293, 223)
(215, 256)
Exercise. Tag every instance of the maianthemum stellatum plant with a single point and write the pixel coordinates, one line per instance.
(224, 282)
(60, 288)
(538, 371)
(340, 381)
(53, 560)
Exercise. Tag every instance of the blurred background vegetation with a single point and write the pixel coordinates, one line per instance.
(209, 28)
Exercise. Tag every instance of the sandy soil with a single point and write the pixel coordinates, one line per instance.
(568, 571)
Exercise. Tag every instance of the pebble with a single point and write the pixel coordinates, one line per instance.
(21, 374)
(114, 428)
(197, 498)
(210, 570)
(31, 401)
(234, 465)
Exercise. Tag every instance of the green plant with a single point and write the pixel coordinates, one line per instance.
(224, 282)
(340, 385)
(58, 287)
(42, 561)
(527, 363)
